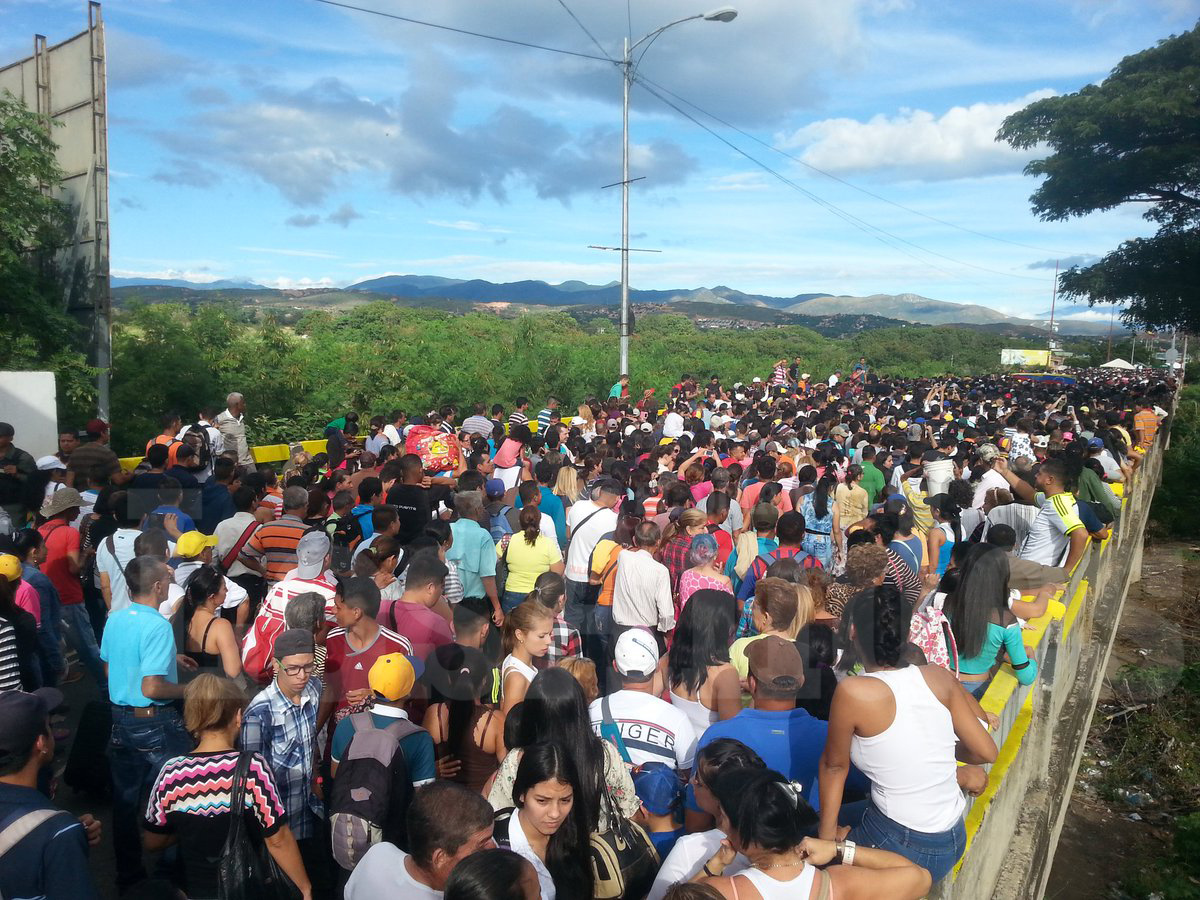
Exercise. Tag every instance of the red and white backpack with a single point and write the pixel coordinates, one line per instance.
(930, 630)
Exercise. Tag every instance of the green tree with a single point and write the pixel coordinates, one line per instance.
(1133, 138)
(33, 226)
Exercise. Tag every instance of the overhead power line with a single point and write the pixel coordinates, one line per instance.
(875, 231)
(478, 34)
(658, 91)
(850, 184)
(584, 28)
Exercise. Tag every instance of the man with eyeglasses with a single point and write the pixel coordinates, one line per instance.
(281, 724)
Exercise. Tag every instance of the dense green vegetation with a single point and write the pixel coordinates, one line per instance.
(1173, 514)
(380, 356)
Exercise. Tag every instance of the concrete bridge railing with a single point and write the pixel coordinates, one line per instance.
(1013, 827)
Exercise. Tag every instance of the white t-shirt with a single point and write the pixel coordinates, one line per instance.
(672, 425)
(585, 539)
(382, 873)
(687, 857)
(991, 479)
(1049, 535)
(395, 438)
(653, 730)
(113, 565)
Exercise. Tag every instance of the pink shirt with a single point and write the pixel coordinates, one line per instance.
(28, 599)
(509, 454)
(424, 628)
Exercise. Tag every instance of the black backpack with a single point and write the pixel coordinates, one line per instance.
(371, 791)
(346, 534)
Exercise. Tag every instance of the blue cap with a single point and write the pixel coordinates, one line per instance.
(1095, 443)
(658, 787)
(494, 488)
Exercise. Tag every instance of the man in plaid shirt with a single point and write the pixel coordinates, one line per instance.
(281, 724)
(790, 532)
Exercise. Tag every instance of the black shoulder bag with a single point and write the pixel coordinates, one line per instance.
(247, 871)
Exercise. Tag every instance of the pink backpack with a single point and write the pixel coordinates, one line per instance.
(930, 630)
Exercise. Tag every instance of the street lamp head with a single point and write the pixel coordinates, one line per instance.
(723, 14)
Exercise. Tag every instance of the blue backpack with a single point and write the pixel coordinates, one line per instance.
(499, 526)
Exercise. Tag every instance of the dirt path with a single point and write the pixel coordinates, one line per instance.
(1115, 825)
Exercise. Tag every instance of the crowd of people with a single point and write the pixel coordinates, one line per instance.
(729, 643)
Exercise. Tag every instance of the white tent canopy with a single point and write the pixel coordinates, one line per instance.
(1118, 363)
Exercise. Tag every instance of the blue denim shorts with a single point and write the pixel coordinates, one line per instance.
(936, 852)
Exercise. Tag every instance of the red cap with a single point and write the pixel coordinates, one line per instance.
(96, 426)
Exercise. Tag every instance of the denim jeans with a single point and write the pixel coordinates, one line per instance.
(511, 600)
(78, 627)
(136, 751)
(937, 852)
(576, 612)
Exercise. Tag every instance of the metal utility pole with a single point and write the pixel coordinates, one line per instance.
(628, 70)
(626, 79)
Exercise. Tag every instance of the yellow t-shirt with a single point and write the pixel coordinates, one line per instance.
(737, 654)
(852, 503)
(525, 562)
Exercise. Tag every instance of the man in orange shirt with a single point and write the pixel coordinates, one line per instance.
(171, 423)
(1145, 424)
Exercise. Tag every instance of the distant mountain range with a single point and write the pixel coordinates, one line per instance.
(223, 284)
(905, 307)
(902, 307)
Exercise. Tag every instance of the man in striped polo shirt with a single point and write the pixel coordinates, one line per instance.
(271, 550)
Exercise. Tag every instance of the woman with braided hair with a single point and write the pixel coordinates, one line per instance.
(903, 726)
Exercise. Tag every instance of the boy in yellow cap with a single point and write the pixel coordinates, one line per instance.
(391, 679)
(379, 758)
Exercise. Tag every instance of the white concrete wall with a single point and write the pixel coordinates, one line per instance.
(28, 402)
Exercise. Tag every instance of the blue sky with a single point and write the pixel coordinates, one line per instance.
(298, 144)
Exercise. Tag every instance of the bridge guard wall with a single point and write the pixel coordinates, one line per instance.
(1013, 828)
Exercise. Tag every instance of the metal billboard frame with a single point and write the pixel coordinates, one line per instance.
(67, 83)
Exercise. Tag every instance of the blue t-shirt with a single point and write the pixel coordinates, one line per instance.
(184, 521)
(789, 741)
(137, 642)
(417, 747)
(664, 841)
(50, 861)
(474, 552)
(363, 513)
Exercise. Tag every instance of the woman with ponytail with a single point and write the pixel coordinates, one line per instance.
(769, 822)
(945, 533)
(903, 726)
(199, 632)
(528, 554)
(824, 525)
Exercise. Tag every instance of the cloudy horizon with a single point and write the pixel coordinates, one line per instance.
(298, 144)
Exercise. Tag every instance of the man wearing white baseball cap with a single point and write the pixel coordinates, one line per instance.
(643, 727)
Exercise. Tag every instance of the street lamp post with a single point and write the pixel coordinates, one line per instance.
(628, 67)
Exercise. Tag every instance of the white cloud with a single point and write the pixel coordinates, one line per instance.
(466, 225)
(916, 143)
(287, 251)
(286, 284)
(740, 181)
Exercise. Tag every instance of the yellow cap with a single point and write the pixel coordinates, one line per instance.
(193, 543)
(10, 567)
(392, 677)
(902, 424)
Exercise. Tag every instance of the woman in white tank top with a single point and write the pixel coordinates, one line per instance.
(903, 726)
(767, 820)
(704, 686)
